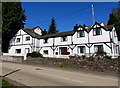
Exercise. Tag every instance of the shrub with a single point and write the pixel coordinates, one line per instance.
(108, 57)
(100, 54)
(34, 54)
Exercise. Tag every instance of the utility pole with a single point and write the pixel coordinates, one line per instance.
(93, 14)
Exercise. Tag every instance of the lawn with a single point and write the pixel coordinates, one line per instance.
(6, 84)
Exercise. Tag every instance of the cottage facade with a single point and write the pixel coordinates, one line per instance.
(83, 40)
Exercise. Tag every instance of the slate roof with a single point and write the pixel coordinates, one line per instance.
(60, 34)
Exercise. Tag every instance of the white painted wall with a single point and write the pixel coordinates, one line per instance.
(38, 44)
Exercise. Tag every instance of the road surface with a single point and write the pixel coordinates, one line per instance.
(44, 76)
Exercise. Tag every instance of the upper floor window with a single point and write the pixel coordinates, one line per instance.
(18, 51)
(81, 49)
(46, 40)
(97, 31)
(64, 38)
(18, 40)
(98, 48)
(27, 38)
(81, 33)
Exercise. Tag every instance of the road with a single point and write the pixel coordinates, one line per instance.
(44, 76)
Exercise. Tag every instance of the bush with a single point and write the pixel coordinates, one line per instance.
(34, 54)
(100, 54)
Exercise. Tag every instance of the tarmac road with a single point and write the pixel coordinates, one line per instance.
(44, 76)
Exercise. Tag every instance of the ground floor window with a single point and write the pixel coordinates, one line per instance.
(98, 48)
(45, 52)
(18, 51)
(81, 49)
(63, 50)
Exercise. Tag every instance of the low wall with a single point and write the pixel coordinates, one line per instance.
(12, 58)
(79, 63)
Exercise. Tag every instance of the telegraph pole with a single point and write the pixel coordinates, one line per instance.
(93, 14)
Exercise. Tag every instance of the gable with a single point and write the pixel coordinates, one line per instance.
(38, 30)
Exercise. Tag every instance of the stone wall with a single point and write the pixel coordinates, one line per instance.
(12, 58)
(79, 63)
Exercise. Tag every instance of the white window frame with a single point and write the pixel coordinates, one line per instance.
(95, 31)
(62, 39)
(79, 49)
(79, 33)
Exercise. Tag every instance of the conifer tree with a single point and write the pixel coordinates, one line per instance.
(52, 28)
(13, 19)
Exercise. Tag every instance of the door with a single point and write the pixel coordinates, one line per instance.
(63, 50)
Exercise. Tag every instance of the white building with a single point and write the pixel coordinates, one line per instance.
(82, 40)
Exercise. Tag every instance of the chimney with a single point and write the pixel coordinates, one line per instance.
(84, 25)
(76, 27)
(44, 32)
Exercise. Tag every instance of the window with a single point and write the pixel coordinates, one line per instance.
(97, 31)
(64, 38)
(46, 40)
(18, 40)
(27, 38)
(45, 52)
(18, 51)
(98, 48)
(81, 49)
(80, 33)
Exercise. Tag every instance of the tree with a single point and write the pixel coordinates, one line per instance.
(52, 28)
(114, 18)
(13, 18)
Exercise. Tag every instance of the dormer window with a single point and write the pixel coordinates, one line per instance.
(64, 38)
(97, 31)
(27, 38)
(46, 40)
(18, 40)
(81, 33)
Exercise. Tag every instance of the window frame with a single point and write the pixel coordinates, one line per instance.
(95, 33)
(17, 52)
(98, 48)
(45, 40)
(27, 39)
(79, 49)
(78, 33)
(63, 38)
(46, 53)
(17, 40)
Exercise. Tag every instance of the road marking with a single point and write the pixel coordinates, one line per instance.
(10, 73)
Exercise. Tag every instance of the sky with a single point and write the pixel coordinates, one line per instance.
(66, 14)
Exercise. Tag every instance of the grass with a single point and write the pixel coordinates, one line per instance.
(6, 84)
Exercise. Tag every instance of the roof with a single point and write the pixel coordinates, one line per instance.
(58, 34)
(105, 27)
(31, 33)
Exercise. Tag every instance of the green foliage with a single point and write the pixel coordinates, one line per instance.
(6, 84)
(52, 28)
(101, 54)
(108, 57)
(34, 54)
(114, 18)
(13, 18)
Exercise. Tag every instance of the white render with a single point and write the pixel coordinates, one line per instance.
(55, 46)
